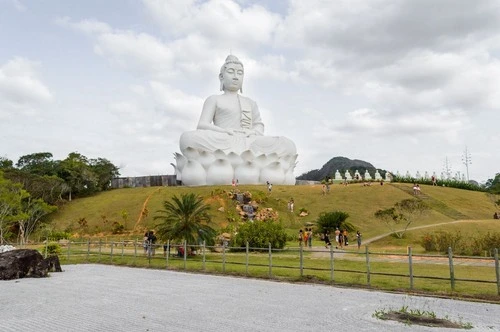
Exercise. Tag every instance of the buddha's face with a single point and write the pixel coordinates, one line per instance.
(232, 77)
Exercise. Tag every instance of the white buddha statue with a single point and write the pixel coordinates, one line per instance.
(229, 142)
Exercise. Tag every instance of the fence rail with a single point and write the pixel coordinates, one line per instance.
(338, 266)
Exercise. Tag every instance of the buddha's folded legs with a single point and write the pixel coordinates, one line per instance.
(210, 141)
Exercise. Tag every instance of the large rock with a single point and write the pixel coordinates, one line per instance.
(23, 263)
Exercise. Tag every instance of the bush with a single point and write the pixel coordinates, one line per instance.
(260, 234)
(59, 235)
(329, 221)
(461, 245)
(52, 249)
(118, 228)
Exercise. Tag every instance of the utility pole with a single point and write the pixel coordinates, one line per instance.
(447, 169)
(466, 160)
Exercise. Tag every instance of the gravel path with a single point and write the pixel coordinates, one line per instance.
(112, 298)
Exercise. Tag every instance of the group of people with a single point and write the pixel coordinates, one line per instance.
(341, 238)
(305, 237)
(149, 243)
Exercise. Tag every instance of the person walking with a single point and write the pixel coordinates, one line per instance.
(301, 237)
(326, 238)
(309, 237)
(358, 239)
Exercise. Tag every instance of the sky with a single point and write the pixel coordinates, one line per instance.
(405, 85)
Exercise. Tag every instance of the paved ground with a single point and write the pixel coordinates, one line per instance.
(112, 298)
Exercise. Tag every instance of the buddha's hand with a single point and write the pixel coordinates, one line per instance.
(246, 132)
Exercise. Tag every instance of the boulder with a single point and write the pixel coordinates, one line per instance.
(24, 263)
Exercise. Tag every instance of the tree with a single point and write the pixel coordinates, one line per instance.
(329, 221)
(39, 163)
(11, 197)
(186, 219)
(402, 215)
(105, 171)
(77, 173)
(33, 212)
(49, 188)
(493, 185)
(6, 163)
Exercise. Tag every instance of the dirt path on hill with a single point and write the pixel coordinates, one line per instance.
(144, 211)
(378, 237)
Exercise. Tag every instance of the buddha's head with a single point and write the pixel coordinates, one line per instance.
(231, 74)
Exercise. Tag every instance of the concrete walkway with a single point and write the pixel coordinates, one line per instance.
(112, 298)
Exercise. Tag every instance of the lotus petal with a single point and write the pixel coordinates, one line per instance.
(206, 159)
(247, 173)
(180, 161)
(234, 159)
(219, 154)
(194, 174)
(247, 155)
(272, 173)
(220, 172)
(191, 153)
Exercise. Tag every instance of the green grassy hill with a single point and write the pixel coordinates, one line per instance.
(135, 208)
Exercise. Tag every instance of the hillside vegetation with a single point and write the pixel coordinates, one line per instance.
(135, 208)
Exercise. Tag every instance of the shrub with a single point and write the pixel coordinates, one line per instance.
(52, 249)
(461, 245)
(260, 234)
(329, 221)
(118, 228)
(59, 235)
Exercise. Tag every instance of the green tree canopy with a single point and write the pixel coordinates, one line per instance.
(402, 215)
(329, 221)
(40, 163)
(105, 171)
(185, 219)
(11, 197)
(6, 163)
(493, 185)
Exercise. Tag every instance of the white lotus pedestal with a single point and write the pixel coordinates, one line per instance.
(198, 168)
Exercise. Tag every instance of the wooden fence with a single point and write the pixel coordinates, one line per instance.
(435, 273)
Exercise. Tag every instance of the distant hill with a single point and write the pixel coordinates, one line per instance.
(341, 164)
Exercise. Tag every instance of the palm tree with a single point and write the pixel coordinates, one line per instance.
(185, 218)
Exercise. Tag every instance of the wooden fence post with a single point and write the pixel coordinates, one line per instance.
(223, 258)
(185, 255)
(247, 258)
(88, 249)
(452, 270)
(497, 270)
(410, 263)
(99, 257)
(301, 260)
(123, 245)
(367, 253)
(331, 264)
(167, 254)
(135, 250)
(111, 253)
(69, 249)
(204, 257)
(270, 261)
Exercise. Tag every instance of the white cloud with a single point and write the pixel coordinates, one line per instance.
(224, 22)
(20, 86)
